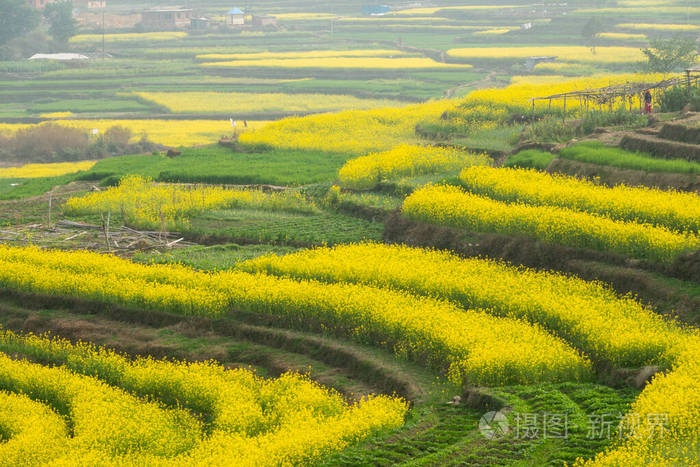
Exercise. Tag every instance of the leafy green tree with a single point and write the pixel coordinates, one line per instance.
(667, 55)
(59, 15)
(16, 19)
(591, 29)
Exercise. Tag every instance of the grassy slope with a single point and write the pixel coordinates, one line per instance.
(216, 164)
(597, 153)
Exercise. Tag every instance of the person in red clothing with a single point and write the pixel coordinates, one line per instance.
(647, 102)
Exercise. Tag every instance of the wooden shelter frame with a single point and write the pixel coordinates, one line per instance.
(609, 95)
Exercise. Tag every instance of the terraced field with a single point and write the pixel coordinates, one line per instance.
(345, 238)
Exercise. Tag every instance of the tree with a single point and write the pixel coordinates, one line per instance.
(59, 15)
(591, 29)
(667, 55)
(16, 19)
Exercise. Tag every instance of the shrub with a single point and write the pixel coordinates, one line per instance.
(530, 159)
(118, 135)
(549, 129)
(599, 118)
(49, 143)
(677, 97)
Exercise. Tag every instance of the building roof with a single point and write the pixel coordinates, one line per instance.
(235, 11)
(59, 56)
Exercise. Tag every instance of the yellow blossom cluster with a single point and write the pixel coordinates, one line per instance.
(588, 315)
(242, 102)
(31, 430)
(352, 131)
(45, 170)
(469, 346)
(674, 210)
(452, 206)
(405, 160)
(141, 411)
(146, 203)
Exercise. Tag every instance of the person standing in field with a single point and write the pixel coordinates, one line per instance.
(647, 102)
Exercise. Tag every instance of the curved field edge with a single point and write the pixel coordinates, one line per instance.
(452, 206)
(610, 329)
(256, 342)
(230, 413)
(434, 332)
(433, 430)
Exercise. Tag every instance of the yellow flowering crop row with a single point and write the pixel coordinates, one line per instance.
(642, 3)
(660, 27)
(249, 419)
(133, 36)
(102, 417)
(403, 161)
(591, 317)
(520, 93)
(56, 115)
(662, 426)
(494, 31)
(352, 131)
(166, 132)
(302, 16)
(433, 10)
(31, 430)
(360, 132)
(302, 54)
(45, 170)
(674, 210)
(146, 203)
(665, 10)
(564, 53)
(620, 35)
(232, 102)
(359, 63)
(469, 346)
(389, 19)
(448, 205)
